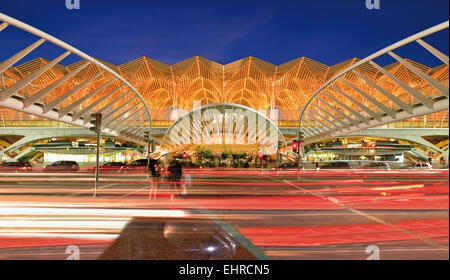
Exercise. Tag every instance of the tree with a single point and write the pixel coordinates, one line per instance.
(203, 155)
(224, 155)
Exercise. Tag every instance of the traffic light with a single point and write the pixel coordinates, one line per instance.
(96, 123)
(294, 146)
(301, 137)
(147, 135)
(260, 155)
(184, 155)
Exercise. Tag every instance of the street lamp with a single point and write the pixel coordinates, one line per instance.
(296, 143)
(96, 126)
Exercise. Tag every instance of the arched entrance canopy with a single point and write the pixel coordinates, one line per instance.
(223, 124)
(366, 95)
(70, 94)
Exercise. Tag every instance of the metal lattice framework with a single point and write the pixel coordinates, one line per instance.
(71, 94)
(366, 95)
(250, 82)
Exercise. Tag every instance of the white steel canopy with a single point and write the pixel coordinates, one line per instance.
(366, 95)
(76, 92)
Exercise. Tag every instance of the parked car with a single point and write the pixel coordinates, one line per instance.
(337, 165)
(377, 165)
(15, 167)
(419, 165)
(63, 165)
(140, 165)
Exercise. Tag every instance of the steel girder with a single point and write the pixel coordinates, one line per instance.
(74, 93)
(366, 95)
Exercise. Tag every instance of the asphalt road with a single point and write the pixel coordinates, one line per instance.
(327, 214)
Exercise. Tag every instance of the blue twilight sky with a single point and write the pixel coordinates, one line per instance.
(328, 31)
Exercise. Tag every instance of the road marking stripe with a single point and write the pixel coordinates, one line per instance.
(368, 216)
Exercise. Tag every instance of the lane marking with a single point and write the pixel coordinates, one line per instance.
(91, 189)
(136, 191)
(368, 216)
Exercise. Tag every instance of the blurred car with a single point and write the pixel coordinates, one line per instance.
(140, 165)
(377, 165)
(287, 165)
(148, 238)
(419, 165)
(15, 167)
(111, 167)
(337, 165)
(63, 165)
(191, 165)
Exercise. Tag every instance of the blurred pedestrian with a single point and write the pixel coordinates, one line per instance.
(175, 173)
(442, 161)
